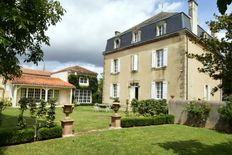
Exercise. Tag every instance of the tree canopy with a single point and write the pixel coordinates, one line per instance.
(217, 58)
(22, 32)
(222, 5)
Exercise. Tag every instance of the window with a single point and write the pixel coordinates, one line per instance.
(43, 94)
(50, 94)
(83, 81)
(207, 92)
(37, 94)
(136, 36)
(83, 96)
(205, 35)
(116, 43)
(159, 58)
(134, 63)
(56, 94)
(23, 92)
(31, 92)
(114, 90)
(115, 66)
(159, 90)
(161, 29)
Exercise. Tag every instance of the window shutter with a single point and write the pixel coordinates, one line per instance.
(209, 93)
(165, 28)
(111, 90)
(118, 90)
(205, 92)
(139, 33)
(165, 57)
(165, 89)
(157, 31)
(118, 65)
(153, 90)
(112, 66)
(132, 62)
(135, 67)
(154, 60)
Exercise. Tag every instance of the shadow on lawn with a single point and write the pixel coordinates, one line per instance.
(194, 147)
(2, 150)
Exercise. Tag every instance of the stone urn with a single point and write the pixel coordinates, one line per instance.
(67, 109)
(116, 118)
(67, 122)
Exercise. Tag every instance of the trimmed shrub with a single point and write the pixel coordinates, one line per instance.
(49, 133)
(226, 111)
(14, 136)
(152, 107)
(146, 121)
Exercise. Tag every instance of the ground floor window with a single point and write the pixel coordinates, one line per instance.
(39, 93)
(83, 96)
(159, 90)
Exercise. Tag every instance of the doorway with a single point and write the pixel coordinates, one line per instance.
(134, 91)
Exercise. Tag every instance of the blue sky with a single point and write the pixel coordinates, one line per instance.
(80, 38)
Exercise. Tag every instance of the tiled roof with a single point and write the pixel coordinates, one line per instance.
(32, 80)
(35, 72)
(78, 70)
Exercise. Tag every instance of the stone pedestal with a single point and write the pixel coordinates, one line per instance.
(67, 128)
(116, 122)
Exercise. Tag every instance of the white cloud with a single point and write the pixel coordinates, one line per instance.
(80, 38)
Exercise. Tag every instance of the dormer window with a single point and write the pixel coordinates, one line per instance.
(205, 35)
(83, 81)
(136, 36)
(161, 29)
(117, 43)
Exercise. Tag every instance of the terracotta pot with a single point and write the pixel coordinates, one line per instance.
(115, 106)
(67, 109)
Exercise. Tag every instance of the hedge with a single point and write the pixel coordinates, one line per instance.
(14, 136)
(49, 133)
(146, 121)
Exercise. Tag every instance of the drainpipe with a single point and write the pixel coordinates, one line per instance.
(187, 69)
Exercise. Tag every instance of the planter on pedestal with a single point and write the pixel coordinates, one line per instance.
(67, 122)
(116, 118)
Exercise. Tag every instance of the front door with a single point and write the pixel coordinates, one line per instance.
(134, 92)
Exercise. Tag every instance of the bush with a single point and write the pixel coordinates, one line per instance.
(150, 107)
(197, 113)
(226, 111)
(3, 104)
(49, 133)
(134, 105)
(14, 136)
(146, 121)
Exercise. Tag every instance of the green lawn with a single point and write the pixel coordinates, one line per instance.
(85, 118)
(163, 139)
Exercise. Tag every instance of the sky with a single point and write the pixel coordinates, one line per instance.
(80, 37)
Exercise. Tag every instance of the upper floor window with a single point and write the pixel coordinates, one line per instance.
(161, 29)
(134, 63)
(207, 92)
(83, 81)
(117, 42)
(159, 90)
(136, 36)
(115, 66)
(205, 35)
(114, 90)
(159, 58)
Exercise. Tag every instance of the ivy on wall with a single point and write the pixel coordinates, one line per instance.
(93, 83)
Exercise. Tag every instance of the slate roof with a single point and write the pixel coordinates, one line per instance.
(78, 70)
(176, 22)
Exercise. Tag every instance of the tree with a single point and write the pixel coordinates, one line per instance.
(217, 58)
(222, 5)
(22, 32)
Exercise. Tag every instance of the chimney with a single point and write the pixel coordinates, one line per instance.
(117, 33)
(193, 13)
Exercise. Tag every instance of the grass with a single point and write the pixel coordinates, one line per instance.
(84, 118)
(163, 139)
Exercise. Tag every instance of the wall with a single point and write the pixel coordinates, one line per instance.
(173, 73)
(177, 108)
(62, 75)
(197, 80)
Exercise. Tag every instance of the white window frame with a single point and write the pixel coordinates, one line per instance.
(161, 29)
(115, 90)
(115, 66)
(159, 90)
(136, 36)
(83, 81)
(207, 92)
(83, 96)
(160, 58)
(134, 63)
(117, 43)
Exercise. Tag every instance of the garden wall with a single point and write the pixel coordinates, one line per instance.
(178, 109)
